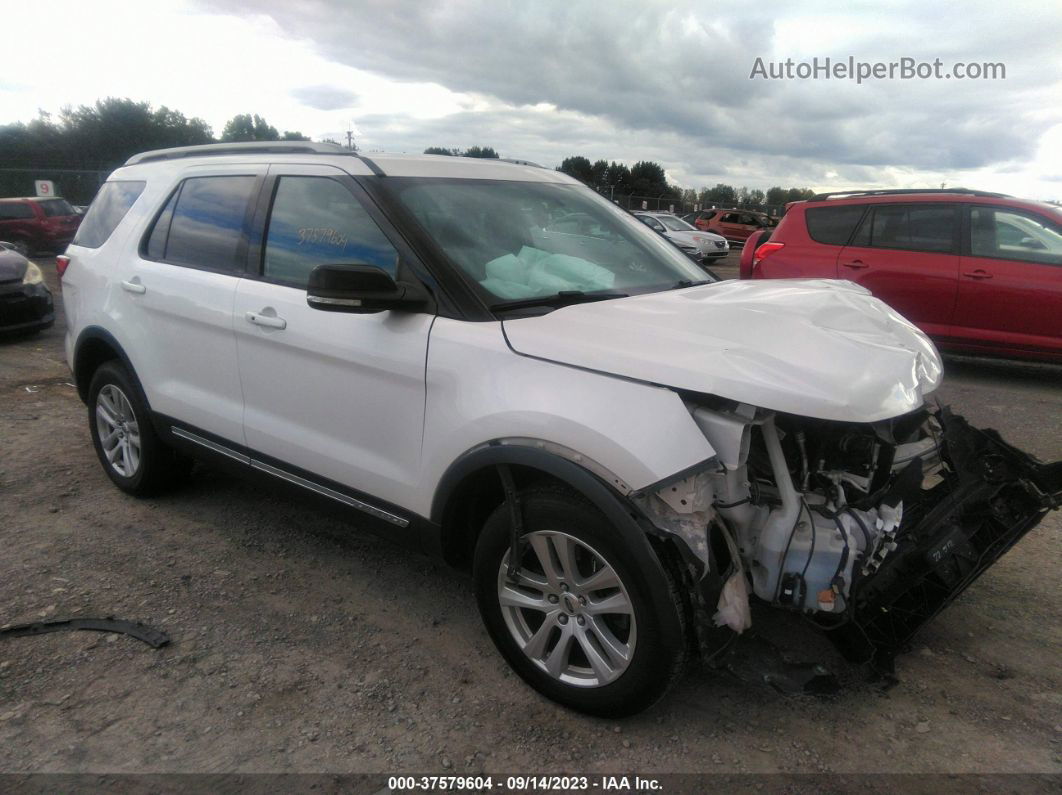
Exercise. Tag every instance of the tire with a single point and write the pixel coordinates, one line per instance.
(652, 634)
(135, 459)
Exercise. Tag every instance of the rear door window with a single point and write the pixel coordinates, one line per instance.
(833, 225)
(203, 224)
(107, 211)
(913, 227)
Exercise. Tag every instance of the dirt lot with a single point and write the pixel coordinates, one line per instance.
(301, 645)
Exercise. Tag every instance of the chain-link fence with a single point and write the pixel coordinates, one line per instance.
(77, 186)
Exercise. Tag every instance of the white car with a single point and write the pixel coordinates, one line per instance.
(622, 451)
(702, 246)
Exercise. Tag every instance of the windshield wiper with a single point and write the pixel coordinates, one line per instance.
(557, 300)
(688, 283)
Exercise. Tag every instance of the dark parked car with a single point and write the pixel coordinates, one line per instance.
(25, 300)
(978, 272)
(34, 224)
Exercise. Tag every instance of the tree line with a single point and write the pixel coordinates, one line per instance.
(472, 151)
(102, 136)
(646, 178)
(105, 134)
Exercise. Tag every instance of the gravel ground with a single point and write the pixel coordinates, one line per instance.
(300, 645)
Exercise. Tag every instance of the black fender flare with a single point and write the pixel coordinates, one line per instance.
(94, 333)
(620, 512)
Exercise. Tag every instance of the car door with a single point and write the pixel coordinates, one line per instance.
(175, 299)
(907, 255)
(1010, 280)
(330, 397)
(729, 226)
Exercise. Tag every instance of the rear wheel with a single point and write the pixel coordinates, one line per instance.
(582, 620)
(132, 454)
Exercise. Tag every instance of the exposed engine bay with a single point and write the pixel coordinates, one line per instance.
(868, 529)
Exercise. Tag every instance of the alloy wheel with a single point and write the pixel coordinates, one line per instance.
(118, 430)
(568, 610)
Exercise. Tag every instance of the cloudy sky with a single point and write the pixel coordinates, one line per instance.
(614, 79)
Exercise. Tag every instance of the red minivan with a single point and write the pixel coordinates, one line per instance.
(979, 272)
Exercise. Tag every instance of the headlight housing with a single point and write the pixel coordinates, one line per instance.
(33, 274)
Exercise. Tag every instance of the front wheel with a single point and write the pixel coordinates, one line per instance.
(583, 620)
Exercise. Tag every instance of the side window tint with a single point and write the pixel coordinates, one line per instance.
(107, 211)
(914, 227)
(207, 222)
(1015, 236)
(832, 225)
(316, 221)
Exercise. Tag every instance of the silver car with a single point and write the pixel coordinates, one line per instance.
(703, 246)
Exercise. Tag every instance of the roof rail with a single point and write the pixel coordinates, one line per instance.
(818, 197)
(241, 148)
(520, 162)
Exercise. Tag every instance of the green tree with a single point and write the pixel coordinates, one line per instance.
(599, 173)
(648, 179)
(754, 199)
(481, 151)
(245, 127)
(438, 150)
(579, 167)
(721, 195)
(776, 195)
(618, 178)
(796, 194)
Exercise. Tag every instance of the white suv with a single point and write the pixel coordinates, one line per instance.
(488, 361)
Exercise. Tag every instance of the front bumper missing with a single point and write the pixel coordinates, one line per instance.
(990, 496)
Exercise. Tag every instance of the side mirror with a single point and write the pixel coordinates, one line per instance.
(361, 289)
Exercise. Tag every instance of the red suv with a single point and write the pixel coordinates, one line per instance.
(734, 225)
(37, 224)
(979, 272)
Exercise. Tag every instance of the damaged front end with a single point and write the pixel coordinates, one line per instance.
(869, 529)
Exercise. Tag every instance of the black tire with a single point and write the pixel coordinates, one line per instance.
(159, 466)
(661, 648)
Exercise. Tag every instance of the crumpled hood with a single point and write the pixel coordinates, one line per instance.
(816, 347)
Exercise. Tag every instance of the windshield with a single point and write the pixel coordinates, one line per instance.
(675, 224)
(521, 240)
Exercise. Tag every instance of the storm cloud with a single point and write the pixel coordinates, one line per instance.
(671, 81)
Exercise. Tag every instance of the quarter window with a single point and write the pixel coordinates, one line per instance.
(833, 225)
(107, 211)
(317, 221)
(1016, 236)
(202, 224)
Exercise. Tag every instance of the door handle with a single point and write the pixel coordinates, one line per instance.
(134, 287)
(269, 321)
(980, 273)
(856, 264)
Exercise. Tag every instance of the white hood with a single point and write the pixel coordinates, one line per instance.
(815, 347)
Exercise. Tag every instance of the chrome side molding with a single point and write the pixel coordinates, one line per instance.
(269, 469)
